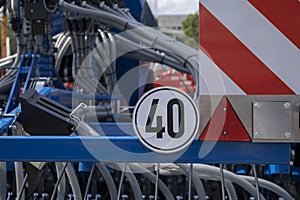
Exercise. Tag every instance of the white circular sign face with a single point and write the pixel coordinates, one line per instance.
(166, 120)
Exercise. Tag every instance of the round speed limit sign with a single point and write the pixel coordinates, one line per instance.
(166, 120)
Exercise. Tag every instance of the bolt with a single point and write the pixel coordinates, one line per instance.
(287, 105)
(35, 196)
(287, 134)
(70, 196)
(224, 109)
(12, 127)
(257, 105)
(10, 195)
(151, 197)
(97, 197)
(124, 197)
(257, 135)
(89, 196)
(45, 196)
(224, 132)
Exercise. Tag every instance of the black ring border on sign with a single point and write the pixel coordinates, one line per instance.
(160, 150)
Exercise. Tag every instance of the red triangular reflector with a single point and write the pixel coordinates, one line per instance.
(224, 125)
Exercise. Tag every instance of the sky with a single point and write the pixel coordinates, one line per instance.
(165, 7)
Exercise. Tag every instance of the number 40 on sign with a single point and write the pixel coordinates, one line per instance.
(166, 120)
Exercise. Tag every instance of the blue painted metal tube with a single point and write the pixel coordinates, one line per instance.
(30, 71)
(129, 149)
(6, 122)
(15, 88)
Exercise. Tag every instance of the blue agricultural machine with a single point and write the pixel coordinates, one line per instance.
(69, 95)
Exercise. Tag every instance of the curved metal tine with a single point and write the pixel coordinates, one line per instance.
(256, 181)
(58, 180)
(190, 182)
(3, 180)
(222, 181)
(22, 187)
(121, 181)
(89, 181)
(157, 181)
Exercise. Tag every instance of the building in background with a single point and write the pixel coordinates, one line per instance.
(172, 22)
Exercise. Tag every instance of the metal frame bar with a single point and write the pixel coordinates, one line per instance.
(129, 149)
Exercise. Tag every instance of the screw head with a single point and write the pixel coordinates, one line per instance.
(287, 105)
(257, 135)
(287, 134)
(257, 105)
(224, 109)
(12, 127)
(224, 132)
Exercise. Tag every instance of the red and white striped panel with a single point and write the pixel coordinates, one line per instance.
(254, 44)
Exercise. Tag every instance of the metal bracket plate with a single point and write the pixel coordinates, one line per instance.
(272, 120)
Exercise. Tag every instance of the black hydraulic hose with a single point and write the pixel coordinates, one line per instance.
(2, 3)
(108, 18)
(147, 36)
(150, 54)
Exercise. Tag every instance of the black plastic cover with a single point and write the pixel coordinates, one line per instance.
(35, 11)
(43, 116)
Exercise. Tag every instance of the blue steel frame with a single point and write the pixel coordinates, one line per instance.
(55, 148)
(73, 149)
(129, 149)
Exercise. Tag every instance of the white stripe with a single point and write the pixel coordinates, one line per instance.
(213, 80)
(260, 36)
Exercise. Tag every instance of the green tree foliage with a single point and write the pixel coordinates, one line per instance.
(191, 29)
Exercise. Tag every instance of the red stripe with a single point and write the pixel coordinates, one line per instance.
(236, 60)
(284, 14)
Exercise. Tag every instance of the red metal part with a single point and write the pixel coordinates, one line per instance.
(225, 125)
(176, 79)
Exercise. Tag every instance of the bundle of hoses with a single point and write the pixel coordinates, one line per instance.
(152, 41)
(7, 80)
